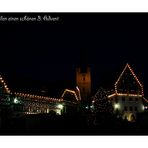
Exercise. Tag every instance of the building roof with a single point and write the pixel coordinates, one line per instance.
(128, 83)
(24, 85)
(3, 85)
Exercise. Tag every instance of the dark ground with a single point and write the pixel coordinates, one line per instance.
(77, 124)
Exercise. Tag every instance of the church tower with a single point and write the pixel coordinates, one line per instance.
(83, 81)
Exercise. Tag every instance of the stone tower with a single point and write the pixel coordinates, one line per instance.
(83, 81)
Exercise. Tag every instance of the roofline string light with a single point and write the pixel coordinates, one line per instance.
(128, 66)
(3, 82)
(145, 99)
(78, 92)
(29, 95)
(71, 91)
(38, 97)
(120, 94)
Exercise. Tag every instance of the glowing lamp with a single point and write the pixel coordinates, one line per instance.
(116, 106)
(92, 106)
(16, 101)
(60, 106)
(143, 107)
(86, 107)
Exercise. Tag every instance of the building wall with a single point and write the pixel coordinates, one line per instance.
(26, 105)
(127, 105)
(83, 80)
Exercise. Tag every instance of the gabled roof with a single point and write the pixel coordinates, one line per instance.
(5, 89)
(69, 95)
(128, 76)
(4, 86)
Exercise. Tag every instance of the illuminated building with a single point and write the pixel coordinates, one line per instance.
(33, 104)
(128, 95)
(25, 103)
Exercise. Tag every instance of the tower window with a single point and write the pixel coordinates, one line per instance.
(83, 78)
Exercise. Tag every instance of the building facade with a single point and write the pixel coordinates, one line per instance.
(22, 103)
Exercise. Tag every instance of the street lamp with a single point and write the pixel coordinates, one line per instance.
(60, 106)
(116, 106)
(16, 101)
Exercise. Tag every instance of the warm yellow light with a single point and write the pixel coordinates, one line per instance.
(120, 94)
(60, 106)
(116, 106)
(16, 101)
(143, 107)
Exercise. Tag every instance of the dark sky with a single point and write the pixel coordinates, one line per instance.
(49, 51)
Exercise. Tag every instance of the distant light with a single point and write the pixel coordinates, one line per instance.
(143, 107)
(92, 106)
(16, 101)
(60, 106)
(86, 107)
(146, 107)
(116, 106)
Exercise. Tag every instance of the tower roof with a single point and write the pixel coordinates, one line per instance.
(128, 82)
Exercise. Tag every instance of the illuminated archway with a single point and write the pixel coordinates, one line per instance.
(132, 117)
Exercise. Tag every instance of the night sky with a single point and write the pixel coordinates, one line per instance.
(47, 53)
